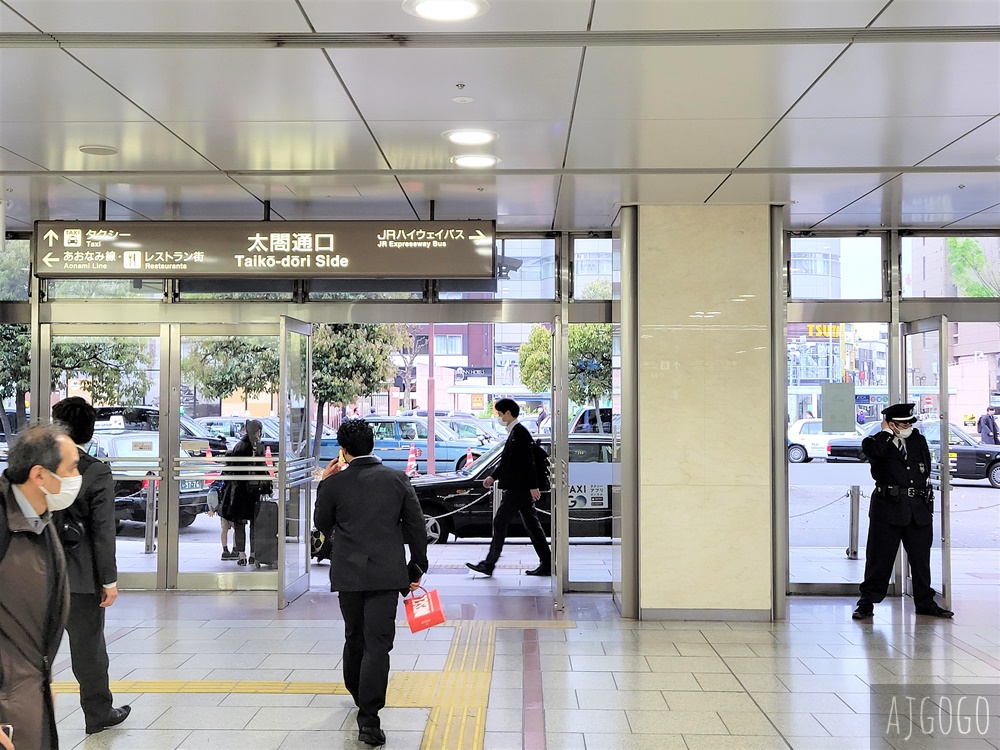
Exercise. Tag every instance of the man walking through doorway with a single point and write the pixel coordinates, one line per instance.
(519, 483)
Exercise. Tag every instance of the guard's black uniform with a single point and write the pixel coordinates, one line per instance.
(901, 511)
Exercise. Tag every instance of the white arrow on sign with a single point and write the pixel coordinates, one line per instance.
(51, 236)
(49, 259)
(480, 236)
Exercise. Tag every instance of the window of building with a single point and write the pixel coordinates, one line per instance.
(950, 266)
(447, 344)
(596, 270)
(836, 268)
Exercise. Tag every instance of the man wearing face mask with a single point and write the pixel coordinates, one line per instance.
(87, 529)
(901, 510)
(41, 477)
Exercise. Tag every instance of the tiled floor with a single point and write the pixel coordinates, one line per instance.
(580, 679)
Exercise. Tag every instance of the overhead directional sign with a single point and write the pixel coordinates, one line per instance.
(265, 249)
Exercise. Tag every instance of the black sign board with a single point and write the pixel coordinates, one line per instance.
(264, 249)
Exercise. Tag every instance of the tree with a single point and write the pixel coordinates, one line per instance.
(535, 359)
(600, 290)
(15, 364)
(113, 371)
(973, 274)
(222, 366)
(589, 361)
(350, 360)
(409, 347)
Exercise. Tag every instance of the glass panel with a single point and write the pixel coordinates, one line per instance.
(824, 465)
(525, 270)
(836, 268)
(105, 289)
(120, 377)
(950, 266)
(596, 419)
(595, 272)
(15, 378)
(299, 486)
(15, 269)
(225, 380)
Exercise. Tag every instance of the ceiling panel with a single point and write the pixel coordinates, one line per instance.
(418, 144)
(141, 145)
(503, 15)
(983, 220)
(908, 80)
(943, 198)
(162, 197)
(418, 84)
(674, 83)
(330, 196)
(283, 145)
(937, 13)
(846, 221)
(11, 161)
(175, 15)
(819, 194)
(978, 148)
(10, 21)
(590, 201)
(732, 14)
(47, 85)
(47, 197)
(857, 141)
(225, 85)
(632, 144)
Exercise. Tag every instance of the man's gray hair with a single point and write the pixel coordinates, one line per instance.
(36, 446)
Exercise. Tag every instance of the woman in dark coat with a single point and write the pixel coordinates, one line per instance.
(239, 498)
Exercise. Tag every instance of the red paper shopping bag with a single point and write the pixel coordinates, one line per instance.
(425, 611)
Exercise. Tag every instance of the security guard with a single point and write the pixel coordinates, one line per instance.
(902, 510)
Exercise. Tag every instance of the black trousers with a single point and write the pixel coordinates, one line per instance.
(883, 544)
(369, 630)
(518, 503)
(89, 656)
(240, 536)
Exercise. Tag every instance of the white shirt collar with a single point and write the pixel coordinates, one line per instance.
(517, 420)
(37, 523)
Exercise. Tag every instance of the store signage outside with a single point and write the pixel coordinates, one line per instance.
(264, 249)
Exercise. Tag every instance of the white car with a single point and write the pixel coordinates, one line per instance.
(806, 439)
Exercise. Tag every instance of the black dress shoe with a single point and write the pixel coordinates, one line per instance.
(116, 717)
(371, 736)
(935, 611)
(481, 567)
(541, 570)
(863, 612)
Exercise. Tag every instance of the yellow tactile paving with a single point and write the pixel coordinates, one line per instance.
(458, 696)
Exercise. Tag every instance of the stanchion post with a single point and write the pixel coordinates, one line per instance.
(852, 546)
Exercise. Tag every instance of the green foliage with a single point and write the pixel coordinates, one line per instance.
(14, 265)
(973, 274)
(222, 366)
(589, 362)
(113, 370)
(600, 290)
(535, 360)
(15, 360)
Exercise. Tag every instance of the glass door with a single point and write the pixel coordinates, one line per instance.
(925, 383)
(295, 465)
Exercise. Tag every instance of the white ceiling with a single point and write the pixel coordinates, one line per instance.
(890, 133)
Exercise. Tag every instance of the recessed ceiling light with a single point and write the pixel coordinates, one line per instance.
(475, 160)
(96, 150)
(446, 10)
(463, 99)
(470, 136)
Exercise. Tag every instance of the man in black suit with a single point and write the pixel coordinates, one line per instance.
(519, 482)
(370, 511)
(87, 529)
(901, 510)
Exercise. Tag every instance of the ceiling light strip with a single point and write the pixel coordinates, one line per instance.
(438, 39)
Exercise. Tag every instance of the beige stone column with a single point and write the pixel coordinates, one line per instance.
(704, 351)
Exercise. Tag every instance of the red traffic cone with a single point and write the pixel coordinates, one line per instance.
(411, 461)
(468, 457)
(267, 457)
(207, 482)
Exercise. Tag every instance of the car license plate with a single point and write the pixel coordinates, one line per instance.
(190, 485)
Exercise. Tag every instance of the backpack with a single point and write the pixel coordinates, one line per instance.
(541, 459)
